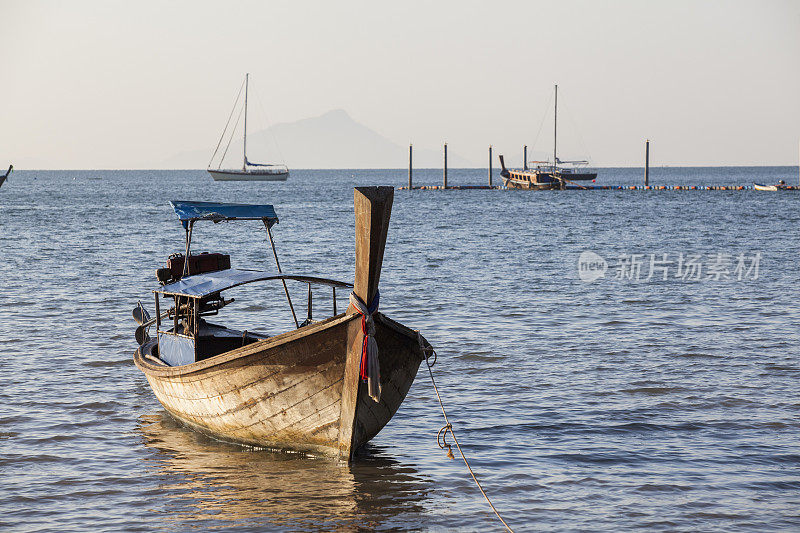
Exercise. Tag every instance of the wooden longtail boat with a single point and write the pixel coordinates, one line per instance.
(301, 390)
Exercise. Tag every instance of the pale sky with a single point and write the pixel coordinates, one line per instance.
(108, 84)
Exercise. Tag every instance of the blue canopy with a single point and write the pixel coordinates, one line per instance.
(217, 212)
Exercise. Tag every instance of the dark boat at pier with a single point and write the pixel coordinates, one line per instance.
(546, 175)
(530, 179)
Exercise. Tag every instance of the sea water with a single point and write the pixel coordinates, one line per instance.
(609, 360)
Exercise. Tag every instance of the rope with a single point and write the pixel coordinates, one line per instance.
(370, 370)
(268, 125)
(238, 118)
(441, 437)
(572, 182)
(578, 132)
(541, 124)
(226, 127)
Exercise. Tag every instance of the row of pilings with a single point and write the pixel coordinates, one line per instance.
(646, 185)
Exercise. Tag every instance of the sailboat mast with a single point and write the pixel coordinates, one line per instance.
(555, 129)
(244, 154)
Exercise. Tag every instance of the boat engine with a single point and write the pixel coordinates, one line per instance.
(198, 264)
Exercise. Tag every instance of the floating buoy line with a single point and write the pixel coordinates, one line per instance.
(575, 186)
(441, 436)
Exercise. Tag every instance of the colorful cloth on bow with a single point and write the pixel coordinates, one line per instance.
(369, 370)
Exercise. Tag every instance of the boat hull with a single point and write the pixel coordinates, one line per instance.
(249, 175)
(760, 187)
(542, 181)
(580, 176)
(517, 184)
(299, 390)
(5, 176)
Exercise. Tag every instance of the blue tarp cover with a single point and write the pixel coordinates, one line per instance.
(218, 212)
(202, 285)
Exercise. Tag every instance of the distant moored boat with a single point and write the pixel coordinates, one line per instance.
(761, 187)
(546, 175)
(5, 176)
(249, 171)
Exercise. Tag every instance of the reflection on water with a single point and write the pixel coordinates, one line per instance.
(207, 483)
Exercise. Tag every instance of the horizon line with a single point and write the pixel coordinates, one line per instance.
(17, 169)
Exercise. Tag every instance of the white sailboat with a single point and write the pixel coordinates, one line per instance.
(249, 171)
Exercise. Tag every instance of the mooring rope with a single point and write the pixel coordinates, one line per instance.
(572, 182)
(441, 437)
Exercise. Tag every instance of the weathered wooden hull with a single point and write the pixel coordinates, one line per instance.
(299, 390)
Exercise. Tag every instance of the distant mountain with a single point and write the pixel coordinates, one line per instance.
(331, 140)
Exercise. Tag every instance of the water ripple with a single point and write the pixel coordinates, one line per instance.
(613, 405)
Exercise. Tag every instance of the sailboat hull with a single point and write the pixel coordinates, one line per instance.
(299, 390)
(580, 176)
(249, 175)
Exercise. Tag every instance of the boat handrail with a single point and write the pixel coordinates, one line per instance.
(314, 280)
(207, 284)
(197, 289)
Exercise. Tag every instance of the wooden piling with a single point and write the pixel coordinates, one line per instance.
(647, 162)
(490, 165)
(410, 166)
(525, 157)
(445, 165)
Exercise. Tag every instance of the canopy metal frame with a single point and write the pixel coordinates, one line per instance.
(216, 212)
